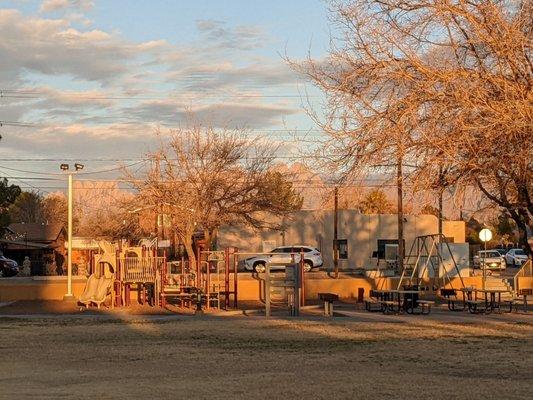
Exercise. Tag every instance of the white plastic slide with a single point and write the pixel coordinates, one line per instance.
(104, 284)
(90, 290)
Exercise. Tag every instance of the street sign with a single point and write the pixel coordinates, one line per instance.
(485, 235)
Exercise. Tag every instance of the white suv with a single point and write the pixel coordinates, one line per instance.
(285, 255)
(515, 257)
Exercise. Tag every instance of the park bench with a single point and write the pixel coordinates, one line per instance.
(388, 306)
(477, 306)
(413, 304)
(425, 306)
(519, 299)
(373, 303)
(454, 303)
(328, 299)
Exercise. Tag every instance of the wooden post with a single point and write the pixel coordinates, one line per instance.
(335, 233)
(399, 181)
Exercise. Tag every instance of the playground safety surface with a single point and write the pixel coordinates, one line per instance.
(112, 354)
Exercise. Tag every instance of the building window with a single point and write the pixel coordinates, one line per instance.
(381, 247)
(342, 248)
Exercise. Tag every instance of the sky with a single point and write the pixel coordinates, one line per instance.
(93, 79)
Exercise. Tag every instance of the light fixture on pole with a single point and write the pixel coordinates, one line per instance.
(65, 167)
(485, 235)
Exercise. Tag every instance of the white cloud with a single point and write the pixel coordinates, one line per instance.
(220, 115)
(256, 76)
(119, 89)
(56, 5)
(242, 37)
(52, 47)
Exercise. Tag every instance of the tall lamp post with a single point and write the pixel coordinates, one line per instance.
(65, 167)
(485, 235)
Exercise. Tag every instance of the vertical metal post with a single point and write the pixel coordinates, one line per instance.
(301, 278)
(183, 282)
(208, 281)
(235, 275)
(484, 265)
(267, 290)
(297, 292)
(226, 278)
(68, 295)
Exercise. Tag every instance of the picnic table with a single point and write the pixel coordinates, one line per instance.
(520, 298)
(493, 298)
(454, 302)
(397, 301)
(375, 299)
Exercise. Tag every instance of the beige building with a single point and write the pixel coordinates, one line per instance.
(364, 235)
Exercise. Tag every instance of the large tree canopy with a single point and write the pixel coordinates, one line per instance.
(206, 178)
(8, 194)
(445, 84)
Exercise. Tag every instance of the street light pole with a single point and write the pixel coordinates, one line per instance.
(65, 167)
(69, 295)
(485, 235)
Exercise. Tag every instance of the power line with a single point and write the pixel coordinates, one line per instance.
(77, 173)
(308, 133)
(17, 94)
(16, 124)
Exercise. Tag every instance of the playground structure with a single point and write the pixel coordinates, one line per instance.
(430, 255)
(119, 270)
(284, 289)
(211, 283)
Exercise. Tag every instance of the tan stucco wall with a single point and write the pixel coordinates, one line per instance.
(52, 288)
(248, 287)
(315, 228)
(525, 282)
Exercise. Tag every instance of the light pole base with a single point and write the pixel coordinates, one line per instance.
(69, 297)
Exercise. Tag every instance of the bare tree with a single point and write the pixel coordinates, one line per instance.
(54, 208)
(443, 84)
(205, 178)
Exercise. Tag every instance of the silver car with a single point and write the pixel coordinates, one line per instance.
(515, 257)
(285, 255)
(490, 258)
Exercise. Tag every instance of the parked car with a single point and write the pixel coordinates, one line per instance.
(285, 254)
(492, 259)
(515, 257)
(502, 252)
(8, 267)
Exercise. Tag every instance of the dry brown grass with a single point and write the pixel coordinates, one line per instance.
(239, 357)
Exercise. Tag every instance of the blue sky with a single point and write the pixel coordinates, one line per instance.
(93, 78)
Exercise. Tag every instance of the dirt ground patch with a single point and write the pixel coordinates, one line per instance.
(161, 356)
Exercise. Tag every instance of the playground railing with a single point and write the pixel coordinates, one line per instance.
(140, 269)
(525, 271)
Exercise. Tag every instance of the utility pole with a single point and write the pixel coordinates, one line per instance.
(399, 183)
(335, 232)
(441, 190)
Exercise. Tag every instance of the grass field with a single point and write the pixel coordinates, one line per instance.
(151, 357)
